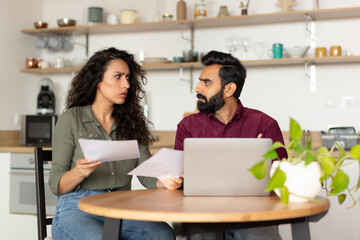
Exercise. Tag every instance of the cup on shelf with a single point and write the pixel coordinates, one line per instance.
(335, 51)
(59, 62)
(128, 16)
(276, 52)
(113, 19)
(94, 15)
(320, 52)
(187, 55)
(43, 64)
(177, 59)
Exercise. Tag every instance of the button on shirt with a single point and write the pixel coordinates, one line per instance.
(80, 122)
(245, 123)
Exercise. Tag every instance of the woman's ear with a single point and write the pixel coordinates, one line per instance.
(229, 90)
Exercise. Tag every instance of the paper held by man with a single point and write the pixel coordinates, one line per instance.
(166, 162)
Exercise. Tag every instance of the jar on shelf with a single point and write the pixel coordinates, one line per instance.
(200, 9)
(223, 12)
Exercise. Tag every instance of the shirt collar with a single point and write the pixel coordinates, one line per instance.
(88, 116)
(236, 115)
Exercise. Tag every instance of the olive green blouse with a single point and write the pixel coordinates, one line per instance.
(80, 122)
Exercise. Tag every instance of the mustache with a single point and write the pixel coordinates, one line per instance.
(200, 96)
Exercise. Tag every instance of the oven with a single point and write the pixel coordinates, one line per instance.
(22, 185)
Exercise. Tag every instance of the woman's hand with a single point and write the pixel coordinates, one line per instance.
(171, 183)
(84, 167)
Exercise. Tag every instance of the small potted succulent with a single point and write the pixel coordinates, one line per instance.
(290, 178)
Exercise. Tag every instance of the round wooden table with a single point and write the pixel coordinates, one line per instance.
(202, 212)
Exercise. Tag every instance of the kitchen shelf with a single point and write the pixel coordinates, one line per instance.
(230, 21)
(50, 70)
(197, 65)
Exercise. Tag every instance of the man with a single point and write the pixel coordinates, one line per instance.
(222, 115)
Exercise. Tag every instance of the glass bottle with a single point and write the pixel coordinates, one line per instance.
(223, 12)
(200, 9)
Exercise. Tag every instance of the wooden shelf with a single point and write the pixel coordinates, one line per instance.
(268, 18)
(197, 65)
(51, 70)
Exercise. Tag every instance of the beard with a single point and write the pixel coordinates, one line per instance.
(210, 106)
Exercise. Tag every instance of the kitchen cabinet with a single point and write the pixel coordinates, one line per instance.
(255, 19)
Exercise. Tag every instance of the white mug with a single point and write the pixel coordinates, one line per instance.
(128, 16)
(59, 62)
(113, 19)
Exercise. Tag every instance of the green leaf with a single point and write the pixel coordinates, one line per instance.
(294, 144)
(355, 152)
(295, 130)
(276, 145)
(277, 180)
(342, 152)
(308, 144)
(339, 183)
(271, 155)
(341, 198)
(327, 166)
(309, 157)
(259, 170)
(321, 151)
(300, 149)
(284, 194)
(358, 184)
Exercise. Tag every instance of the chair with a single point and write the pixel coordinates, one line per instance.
(42, 221)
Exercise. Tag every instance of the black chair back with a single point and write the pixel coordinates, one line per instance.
(42, 221)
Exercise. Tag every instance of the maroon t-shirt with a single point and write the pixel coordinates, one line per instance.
(246, 123)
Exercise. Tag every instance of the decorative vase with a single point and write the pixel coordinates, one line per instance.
(300, 179)
(223, 12)
(181, 10)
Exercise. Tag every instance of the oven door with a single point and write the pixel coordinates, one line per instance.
(23, 192)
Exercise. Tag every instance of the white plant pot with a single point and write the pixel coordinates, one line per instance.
(300, 179)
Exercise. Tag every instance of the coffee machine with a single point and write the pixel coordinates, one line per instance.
(46, 98)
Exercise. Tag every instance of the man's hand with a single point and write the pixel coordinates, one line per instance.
(171, 183)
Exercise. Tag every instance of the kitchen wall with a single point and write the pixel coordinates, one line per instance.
(280, 91)
(15, 97)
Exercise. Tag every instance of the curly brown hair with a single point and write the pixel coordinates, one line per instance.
(129, 117)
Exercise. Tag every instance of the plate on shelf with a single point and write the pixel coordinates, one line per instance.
(155, 60)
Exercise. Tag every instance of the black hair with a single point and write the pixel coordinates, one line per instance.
(129, 116)
(231, 69)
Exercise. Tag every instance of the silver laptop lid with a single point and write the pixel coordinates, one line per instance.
(219, 166)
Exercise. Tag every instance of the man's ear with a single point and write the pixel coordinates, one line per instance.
(229, 90)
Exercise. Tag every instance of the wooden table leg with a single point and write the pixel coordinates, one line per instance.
(112, 229)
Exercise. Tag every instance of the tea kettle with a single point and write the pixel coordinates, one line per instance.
(46, 98)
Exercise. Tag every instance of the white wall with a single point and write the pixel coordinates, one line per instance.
(280, 91)
(15, 48)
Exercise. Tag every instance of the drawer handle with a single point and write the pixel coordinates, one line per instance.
(31, 160)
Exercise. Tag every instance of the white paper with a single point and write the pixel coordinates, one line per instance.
(166, 162)
(107, 151)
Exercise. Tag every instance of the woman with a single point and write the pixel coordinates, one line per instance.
(102, 103)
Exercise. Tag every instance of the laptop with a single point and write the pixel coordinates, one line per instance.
(219, 166)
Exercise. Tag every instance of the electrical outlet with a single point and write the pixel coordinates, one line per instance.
(350, 102)
(347, 102)
(17, 119)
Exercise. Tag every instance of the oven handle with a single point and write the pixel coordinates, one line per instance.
(26, 172)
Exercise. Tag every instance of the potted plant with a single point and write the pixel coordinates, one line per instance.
(332, 176)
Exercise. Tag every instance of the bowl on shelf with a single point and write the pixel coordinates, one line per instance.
(297, 51)
(66, 22)
(40, 24)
